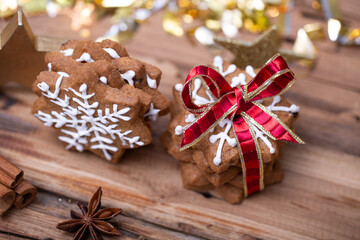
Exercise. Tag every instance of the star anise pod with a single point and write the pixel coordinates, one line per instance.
(92, 220)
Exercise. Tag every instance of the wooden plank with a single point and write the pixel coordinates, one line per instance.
(318, 198)
(150, 188)
(40, 221)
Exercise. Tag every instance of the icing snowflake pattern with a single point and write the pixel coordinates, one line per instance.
(226, 124)
(128, 76)
(86, 119)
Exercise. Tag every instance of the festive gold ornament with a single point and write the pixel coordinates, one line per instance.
(303, 50)
(114, 3)
(315, 31)
(33, 7)
(341, 34)
(172, 24)
(122, 31)
(82, 15)
(22, 53)
(256, 53)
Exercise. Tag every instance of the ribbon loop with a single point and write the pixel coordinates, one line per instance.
(274, 78)
(240, 105)
(214, 82)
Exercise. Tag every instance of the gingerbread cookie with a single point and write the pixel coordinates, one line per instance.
(213, 163)
(98, 98)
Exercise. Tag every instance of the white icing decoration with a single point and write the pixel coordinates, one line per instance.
(67, 52)
(151, 82)
(223, 136)
(190, 118)
(179, 130)
(260, 134)
(198, 99)
(218, 62)
(240, 79)
(103, 80)
(112, 52)
(250, 70)
(85, 57)
(49, 67)
(293, 108)
(86, 119)
(179, 87)
(263, 137)
(128, 76)
(152, 113)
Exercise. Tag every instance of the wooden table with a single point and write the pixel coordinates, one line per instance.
(318, 198)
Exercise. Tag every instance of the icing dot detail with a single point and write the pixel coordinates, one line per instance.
(250, 70)
(103, 80)
(190, 118)
(67, 52)
(129, 77)
(112, 52)
(179, 87)
(85, 57)
(151, 82)
(152, 113)
(179, 130)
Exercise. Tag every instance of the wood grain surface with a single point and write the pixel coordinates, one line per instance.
(319, 197)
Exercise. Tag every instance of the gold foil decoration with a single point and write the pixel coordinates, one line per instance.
(316, 4)
(256, 53)
(121, 31)
(65, 3)
(81, 15)
(172, 24)
(22, 53)
(115, 3)
(33, 7)
(315, 31)
(303, 50)
(213, 24)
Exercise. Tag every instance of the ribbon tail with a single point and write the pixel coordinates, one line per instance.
(251, 161)
(270, 124)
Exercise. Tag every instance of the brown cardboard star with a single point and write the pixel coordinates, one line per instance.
(256, 53)
(22, 53)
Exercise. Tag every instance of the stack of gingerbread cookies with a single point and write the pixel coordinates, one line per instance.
(213, 163)
(98, 98)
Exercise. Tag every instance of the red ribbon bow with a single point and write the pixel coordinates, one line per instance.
(240, 105)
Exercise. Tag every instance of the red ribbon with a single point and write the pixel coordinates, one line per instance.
(239, 105)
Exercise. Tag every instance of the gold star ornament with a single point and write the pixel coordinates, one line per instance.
(22, 53)
(256, 53)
